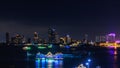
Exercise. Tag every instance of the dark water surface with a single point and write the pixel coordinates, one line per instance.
(15, 57)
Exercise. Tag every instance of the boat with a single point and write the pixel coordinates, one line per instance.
(49, 55)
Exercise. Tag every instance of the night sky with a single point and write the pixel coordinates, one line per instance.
(74, 17)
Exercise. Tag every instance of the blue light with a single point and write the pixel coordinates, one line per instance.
(56, 61)
(38, 60)
(43, 58)
(67, 46)
(43, 62)
(89, 60)
(87, 64)
(50, 60)
(40, 55)
(50, 63)
(37, 63)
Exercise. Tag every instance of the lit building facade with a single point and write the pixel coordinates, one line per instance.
(68, 39)
(111, 37)
(35, 38)
(100, 39)
(17, 39)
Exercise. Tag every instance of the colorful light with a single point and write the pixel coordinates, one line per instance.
(41, 47)
(50, 46)
(49, 55)
(49, 63)
(117, 41)
(37, 63)
(26, 48)
(43, 62)
(67, 46)
(111, 34)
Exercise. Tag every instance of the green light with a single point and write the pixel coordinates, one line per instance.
(49, 46)
(26, 48)
(29, 48)
(41, 47)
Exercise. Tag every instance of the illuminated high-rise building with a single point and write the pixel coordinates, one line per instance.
(111, 37)
(35, 34)
(35, 39)
(68, 39)
(62, 41)
(51, 35)
(18, 39)
(23, 39)
(100, 39)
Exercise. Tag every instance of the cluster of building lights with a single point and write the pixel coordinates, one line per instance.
(53, 38)
(110, 41)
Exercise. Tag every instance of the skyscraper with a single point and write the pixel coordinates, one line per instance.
(68, 39)
(111, 37)
(18, 39)
(100, 39)
(35, 39)
(51, 35)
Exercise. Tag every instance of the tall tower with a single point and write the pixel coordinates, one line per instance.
(51, 35)
(68, 39)
(35, 39)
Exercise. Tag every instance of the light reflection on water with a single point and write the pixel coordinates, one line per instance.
(48, 63)
(104, 59)
(113, 57)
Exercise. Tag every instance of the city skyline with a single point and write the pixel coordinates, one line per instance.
(96, 38)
